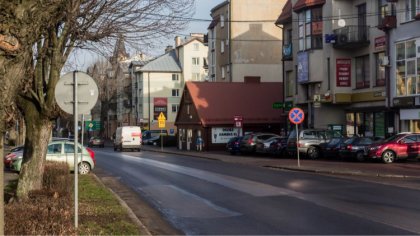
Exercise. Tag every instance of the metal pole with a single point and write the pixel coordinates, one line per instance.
(76, 133)
(161, 140)
(83, 132)
(297, 145)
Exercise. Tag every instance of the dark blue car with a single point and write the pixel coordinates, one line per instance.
(233, 145)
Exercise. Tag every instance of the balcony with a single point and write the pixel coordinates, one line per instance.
(352, 37)
(287, 52)
(387, 23)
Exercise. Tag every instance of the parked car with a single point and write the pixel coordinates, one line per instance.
(63, 151)
(263, 146)
(278, 147)
(96, 141)
(11, 155)
(310, 141)
(331, 148)
(399, 146)
(153, 137)
(233, 145)
(249, 141)
(354, 148)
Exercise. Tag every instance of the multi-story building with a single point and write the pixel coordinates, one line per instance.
(403, 32)
(244, 44)
(159, 83)
(335, 68)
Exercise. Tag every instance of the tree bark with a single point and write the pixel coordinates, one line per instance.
(38, 133)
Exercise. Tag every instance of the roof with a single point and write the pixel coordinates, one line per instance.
(217, 104)
(302, 4)
(214, 22)
(219, 6)
(286, 13)
(166, 63)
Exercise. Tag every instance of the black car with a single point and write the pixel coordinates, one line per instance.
(233, 145)
(331, 148)
(354, 148)
(249, 142)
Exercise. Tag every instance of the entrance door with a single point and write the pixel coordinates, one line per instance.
(180, 133)
(189, 138)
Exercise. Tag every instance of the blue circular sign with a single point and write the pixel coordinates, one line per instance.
(296, 115)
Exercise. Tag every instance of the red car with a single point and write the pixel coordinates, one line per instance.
(400, 146)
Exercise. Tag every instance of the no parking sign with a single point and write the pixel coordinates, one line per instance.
(296, 116)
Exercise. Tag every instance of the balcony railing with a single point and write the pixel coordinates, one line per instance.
(287, 52)
(352, 37)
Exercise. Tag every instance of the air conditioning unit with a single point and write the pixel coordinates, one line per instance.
(342, 38)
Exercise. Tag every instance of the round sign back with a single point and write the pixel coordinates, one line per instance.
(87, 92)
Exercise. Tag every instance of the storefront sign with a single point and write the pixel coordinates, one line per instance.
(343, 72)
(160, 102)
(303, 67)
(380, 43)
(222, 135)
(404, 101)
(409, 114)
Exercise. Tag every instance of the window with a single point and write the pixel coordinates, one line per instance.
(310, 29)
(196, 61)
(54, 148)
(223, 72)
(362, 72)
(412, 8)
(222, 21)
(175, 92)
(222, 47)
(407, 68)
(175, 108)
(195, 76)
(175, 77)
(196, 46)
(69, 148)
(380, 70)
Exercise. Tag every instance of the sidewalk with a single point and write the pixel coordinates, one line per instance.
(407, 169)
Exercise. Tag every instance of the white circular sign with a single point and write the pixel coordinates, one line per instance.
(341, 22)
(87, 92)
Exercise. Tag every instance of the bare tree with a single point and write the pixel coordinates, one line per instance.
(93, 24)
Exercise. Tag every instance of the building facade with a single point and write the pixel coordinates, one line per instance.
(404, 63)
(157, 85)
(244, 44)
(335, 55)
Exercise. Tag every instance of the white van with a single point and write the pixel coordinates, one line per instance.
(127, 137)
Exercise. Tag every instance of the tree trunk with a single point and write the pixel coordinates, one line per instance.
(1, 178)
(38, 133)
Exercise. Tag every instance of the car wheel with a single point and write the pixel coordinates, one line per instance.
(84, 168)
(313, 153)
(360, 156)
(388, 157)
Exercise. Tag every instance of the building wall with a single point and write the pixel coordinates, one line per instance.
(189, 51)
(221, 36)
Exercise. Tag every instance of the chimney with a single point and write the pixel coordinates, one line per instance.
(177, 41)
(168, 48)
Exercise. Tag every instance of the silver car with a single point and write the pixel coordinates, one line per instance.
(63, 151)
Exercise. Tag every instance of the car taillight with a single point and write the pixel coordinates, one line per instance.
(92, 154)
(10, 156)
(349, 147)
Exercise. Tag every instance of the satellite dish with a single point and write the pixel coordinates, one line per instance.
(87, 93)
(341, 22)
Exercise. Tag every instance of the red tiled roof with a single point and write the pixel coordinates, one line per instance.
(219, 102)
(286, 13)
(301, 4)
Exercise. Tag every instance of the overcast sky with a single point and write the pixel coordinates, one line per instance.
(82, 60)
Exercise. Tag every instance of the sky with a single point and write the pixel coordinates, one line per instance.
(81, 60)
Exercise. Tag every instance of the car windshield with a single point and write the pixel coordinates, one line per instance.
(335, 141)
(393, 138)
(350, 140)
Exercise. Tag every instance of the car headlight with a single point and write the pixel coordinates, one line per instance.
(374, 148)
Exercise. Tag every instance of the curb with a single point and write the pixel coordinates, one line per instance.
(334, 172)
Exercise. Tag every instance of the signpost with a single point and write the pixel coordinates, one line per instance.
(161, 123)
(296, 116)
(76, 93)
(283, 105)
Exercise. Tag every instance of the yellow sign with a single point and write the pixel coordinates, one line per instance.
(161, 120)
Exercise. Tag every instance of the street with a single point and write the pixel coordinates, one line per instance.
(201, 196)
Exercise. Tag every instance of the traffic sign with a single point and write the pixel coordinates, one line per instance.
(296, 116)
(93, 125)
(161, 120)
(278, 105)
(238, 121)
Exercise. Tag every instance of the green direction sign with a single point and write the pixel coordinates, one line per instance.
(93, 125)
(280, 105)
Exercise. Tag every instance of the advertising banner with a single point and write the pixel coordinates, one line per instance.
(222, 135)
(303, 67)
(343, 69)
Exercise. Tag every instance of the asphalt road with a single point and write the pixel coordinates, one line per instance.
(200, 196)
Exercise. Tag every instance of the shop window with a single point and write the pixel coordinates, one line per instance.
(407, 69)
(379, 124)
(350, 124)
